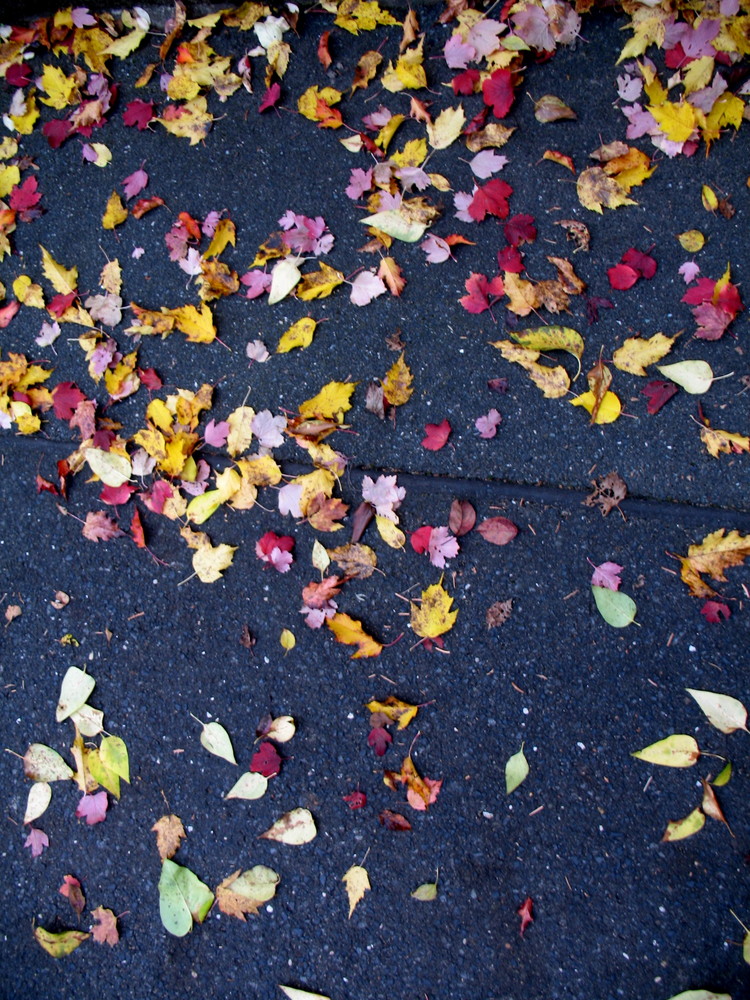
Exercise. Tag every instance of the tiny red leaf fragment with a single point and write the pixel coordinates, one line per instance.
(355, 800)
(394, 821)
(379, 739)
(436, 435)
(715, 611)
(497, 530)
(658, 392)
(526, 913)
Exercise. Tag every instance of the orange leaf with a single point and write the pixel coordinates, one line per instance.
(350, 632)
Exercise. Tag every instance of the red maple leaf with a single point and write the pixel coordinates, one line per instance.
(266, 760)
(275, 550)
(520, 229)
(65, 398)
(712, 321)
(270, 98)
(702, 291)
(138, 114)
(715, 611)
(510, 259)
(622, 276)
(379, 739)
(436, 435)
(93, 808)
(526, 913)
(464, 83)
(24, 198)
(643, 263)
(355, 800)
(658, 392)
(57, 131)
(480, 289)
(420, 539)
(498, 92)
(491, 199)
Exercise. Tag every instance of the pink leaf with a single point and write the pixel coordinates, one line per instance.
(134, 183)
(384, 495)
(270, 98)
(93, 808)
(366, 287)
(607, 574)
(497, 530)
(458, 54)
(442, 545)
(36, 841)
(436, 435)
(487, 425)
(715, 611)
(487, 163)
(215, 434)
(359, 182)
(689, 271)
(257, 282)
(436, 249)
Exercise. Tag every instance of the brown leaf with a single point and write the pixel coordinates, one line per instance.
(394, 342)
(374, 400)
(577, 232)
(710, 805)
(497, 530)
(394, 821)
(98, 527)
(71, 888)
(105, 930)
(324, 512)
(462, 517)
(169, 833)
(609, 492)
(357, 561)
(360, 519)
(498, 613)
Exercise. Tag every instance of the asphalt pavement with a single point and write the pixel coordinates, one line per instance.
(617, 912)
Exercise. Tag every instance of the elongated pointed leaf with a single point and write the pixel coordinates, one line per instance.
(250, 786)
(615, 607)
(294, 994)
(680, 829)
(394, 223)
(74, 692)
(215, 739)
(183, 898)
(59, 945)
(425, 892)
(722, 710)
(722, 778)
(678, 750)
(516, 771)
(42, 763)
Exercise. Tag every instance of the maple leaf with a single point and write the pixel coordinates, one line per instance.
(436, 435)
(355, 800)
(487, 425)
(169, 834)
(379, 739)
(480, 290)
(266, 760)
(609, 492)
(138, 114)
(498, 92)
(366, 287)
(105, 930)
(93, 808)
(597, 191)
(350, 632)
(391, 274)
(658, 392)
(433, 616)
(384, 495)
(99, 527)
(607, 575)
(526, 913)
(490, 199)
(37, 840)
(275, 550)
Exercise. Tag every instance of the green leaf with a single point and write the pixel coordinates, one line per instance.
(425, 892)
(183, 898)
(394, 223)
(722, 710)
(59, 945)
(616, 608)
(42, 763)
(722, 778)
(516, 771)
(695, 377)
(746, 948)
(677, 750)
(250, 786)
(76, 687)
(114, 756)
(679, 829)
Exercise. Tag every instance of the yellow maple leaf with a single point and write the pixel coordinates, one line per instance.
(191, 120)
(446, 128)
(727, 442)
(209, 561)
(224, 234)
(357, 882)
(637, 352)
(361, 15)
(331, 403)
(61, 90)
(197, 326)
(413, 154)
(299, 334)
(115, 213)
(63, 280)
(408, 73)
(597, 191)
(319, 284)
(400, 712)
(308, 104)
(629, 170)
(9, 177)
(259, 470)
(365, 70)
(397, 387)
(433, 615)
(350, 632)
(24, 122)
(716, 553)
(677, 121)
(649, 28)
(387, 132)
(240, 431)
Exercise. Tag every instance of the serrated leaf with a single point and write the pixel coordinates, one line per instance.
(350, 632)
(677, 750)
(433, 615)
(637, 352)
(183, 898)
(216, 740)
(615, 607)
(357, 883)
(250, 786)
(679, 829)
(40, 796)
(516, 771)
(169, 835)
(42, 763)
(295, 828)
(245, 892)
(74, 692)
(63, 280)
(722, 710)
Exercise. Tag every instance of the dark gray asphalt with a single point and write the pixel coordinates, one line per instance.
(617, 912)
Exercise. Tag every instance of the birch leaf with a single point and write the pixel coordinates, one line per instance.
(357, 883)
(695, 377)
(216, 740)
(76, 688)
(284, 277)
(294, 994)
(183, 898)
(42, 763)
(722, 711)
(40, 796)
(679, 829)
(425, 892)
(677, 750)
(516, 771)
(295, 827)
(250, 786)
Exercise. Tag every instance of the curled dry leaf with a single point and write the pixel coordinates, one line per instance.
(609, 492)
(498, 613)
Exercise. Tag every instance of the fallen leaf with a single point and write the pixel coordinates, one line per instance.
(251, 785)
(425, 892)
(295, 827)
(42, 763)
(498, 613)
(350, 632)
(59, 945)
(76, 687)
(497, 530)
(722, 710)
(71, 889)
(677, 750)
(609, 492)
(169, 835)
(694, 377)
(216, 740)
(294, 994)
(357, 883)
(616, 608)
(183, 898)
(245, 892)
(516, 771)
(682, 828)
(526, 913)
(105, 929)
(433, 616)
(716, 553)
(436, 435)
(394, 821)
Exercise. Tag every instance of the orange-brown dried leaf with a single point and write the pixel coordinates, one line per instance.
(169, 834)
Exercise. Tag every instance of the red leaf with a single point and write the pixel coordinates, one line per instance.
(45, 486)
(65, 398)
(436, 435)
(61, 303)
(658, 392)
(93, 808)
(25, 197)
(712, 321)
(71, 888)
(18, 75)
(497, 530)
(702, 291)
(116, 495)
(715, 611)
(526, 913)
(464, 83)
(491, 199)
(355, 800)
(150, 378)
(379, 739)
(498, 92)
(520, 229)
(7, 313)
(394, 821)
(266, 760)
(270, 98)
(144, 205)
(57, 131)
(324, 56)
(510, 259)
(138, 114)
(594, 304)
(420, 539)
(622, 276)
(640, 262)
(462, 517)
(136, 530)
(480, 290)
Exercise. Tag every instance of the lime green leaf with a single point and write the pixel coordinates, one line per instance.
(516, 771)
(700, 995)
(425, 892)
(679, 829)
(183, 898)
(114, 756)
(616, 608)
(677, 750)
(59, 945)
(722, 778)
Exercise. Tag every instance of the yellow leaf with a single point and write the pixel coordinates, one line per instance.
(718, 441)
(169, 834)
(313, 483)
(63, 280)
(554, 382)
(728, 110)
(709, 199)
(25, 122)
(356, 560)
(493, 136)
(115, 213)
(319, 284)
(400, 712)
(260, 470)
(191, 120)
(197, 326)
(331, 403)
(697, 74)
(692, 240)
(103, 154)
(307, 104)
(387, 132)
(61, 90)
(412, 155)
(629, 170)
(209, 561)
(649, 28)
(361, 15)
(638, 352)
(390, 533)
(609, 408)
(224, 234)
(596, 191)
(357, 882)
(681, 828)
(397, 387)
(126, 44)
(677, 121)
(552, 338)
(366, 69)
(446, 128)
(61, 944)
(716, 553)
(433, 615)
(9, 177)
(111, 277)
(408, 72)
(299, 334)
(287, 639)
(349, 631)
(28, 292)
(240, 431)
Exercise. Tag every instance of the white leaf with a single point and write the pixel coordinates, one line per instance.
(114, 470)
(295, 827)
(366, 287)
(695, 377)
(74, 692)
(394, 223)
(284, 277)
(726, 713)
(39, 798)
(294, 994)
(216, 740)
(250, 786)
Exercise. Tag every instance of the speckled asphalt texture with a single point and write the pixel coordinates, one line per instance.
(617, 913)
